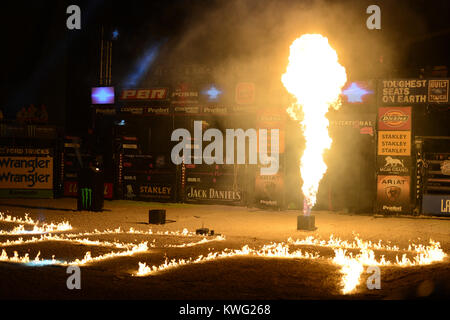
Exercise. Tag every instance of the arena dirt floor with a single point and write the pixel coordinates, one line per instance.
(255, 276)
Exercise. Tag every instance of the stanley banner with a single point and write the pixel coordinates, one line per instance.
(26, 172)
(394, 143)
(393, 194)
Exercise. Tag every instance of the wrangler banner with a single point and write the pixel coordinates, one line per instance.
(26, 172)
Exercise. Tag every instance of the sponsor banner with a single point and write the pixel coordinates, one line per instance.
(436, 204)
(185, 94)
(148, 111)
(149, 191)
(358, 123)
(71, 189)
(218, 110)
(106, 111)
(157, 111)
(269, 190)
(438, 91)
(21, 151)
(132, 110)
(184, 110)
(393, 194)
(245, 93)
(26, 172)
(153, 94)
(394, 143)
(213, 194)
(394, 165)
(403, 91)
(394, 118)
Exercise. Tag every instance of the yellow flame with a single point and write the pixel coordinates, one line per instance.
(315, 78)
(275, 250)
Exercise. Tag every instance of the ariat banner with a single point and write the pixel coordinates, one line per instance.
(393, 194)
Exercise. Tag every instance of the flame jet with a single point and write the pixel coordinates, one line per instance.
(315, 78)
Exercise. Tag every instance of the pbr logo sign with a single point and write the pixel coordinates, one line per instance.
(394, 165)
(144, 94)
(393, 194)
(394, 118)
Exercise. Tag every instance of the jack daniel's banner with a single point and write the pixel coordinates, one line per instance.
(214, 194)
(221, 184)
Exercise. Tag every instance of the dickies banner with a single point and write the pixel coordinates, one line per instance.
(413, 91)
(26, 172)
(394, 118)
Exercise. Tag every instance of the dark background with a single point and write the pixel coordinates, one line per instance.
(44, 63)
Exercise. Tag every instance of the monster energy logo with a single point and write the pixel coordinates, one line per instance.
(86, 197)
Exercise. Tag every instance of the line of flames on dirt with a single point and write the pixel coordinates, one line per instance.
(20, 230)
(351, 266)
(131, 248)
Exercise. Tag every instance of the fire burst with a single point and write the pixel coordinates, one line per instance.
(315, 78)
